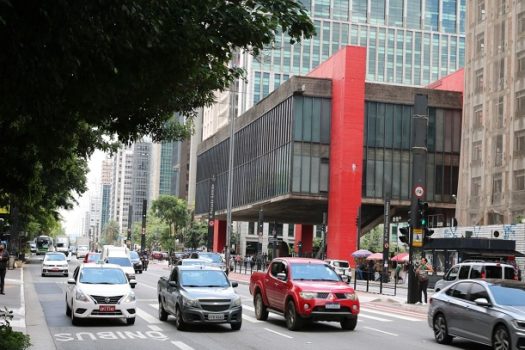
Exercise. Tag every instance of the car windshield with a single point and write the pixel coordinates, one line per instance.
(203, 278)
(55, 257)
(313, 272)
(216, 258)
(508, 295)
(119, 261)
(93, 257)
(134, 255)
(187, 262)
(102, 276)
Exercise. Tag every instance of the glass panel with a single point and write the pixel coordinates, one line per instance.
(316, 120)
(414, 14)
(359, 10)
(395, 17)
(340, 10)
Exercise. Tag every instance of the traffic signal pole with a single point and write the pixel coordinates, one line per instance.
(419, 172)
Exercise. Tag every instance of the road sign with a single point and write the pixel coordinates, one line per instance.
(417, 238)
(419, 191)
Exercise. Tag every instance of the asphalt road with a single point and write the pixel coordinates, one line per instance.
(379, 326)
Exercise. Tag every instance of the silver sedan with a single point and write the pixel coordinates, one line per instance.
(490, 312)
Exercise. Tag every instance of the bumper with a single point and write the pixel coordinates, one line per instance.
(199, 316)
(317, 310)
(138, 267)
(91, 310)
(56, 271)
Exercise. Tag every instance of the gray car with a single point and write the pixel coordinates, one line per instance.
(490, 312)
(198, 295)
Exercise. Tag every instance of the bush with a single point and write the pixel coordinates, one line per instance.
(10, 339)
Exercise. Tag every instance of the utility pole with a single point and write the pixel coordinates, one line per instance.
(419, 167)
(130, 219)
(230, 187)
(143, 233)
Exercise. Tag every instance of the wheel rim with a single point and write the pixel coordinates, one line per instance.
(258, 306)
(440, 328)
(160, 310)
(291, 314)
(178, 317)
(501, 339)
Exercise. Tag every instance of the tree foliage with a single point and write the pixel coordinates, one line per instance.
(77, 76)
(196, 235)
(173, 211)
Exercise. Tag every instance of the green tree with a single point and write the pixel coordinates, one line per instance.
(157, 233)
(197, 234)
(173, 211)
(82, 75)
(110, 233)
(373, 240)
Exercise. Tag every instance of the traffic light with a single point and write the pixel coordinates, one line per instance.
(422, 208)
(404, 234)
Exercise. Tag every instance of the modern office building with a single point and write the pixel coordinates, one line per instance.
(140, 178)
(332, 143)
(105, 193)
(121, 187)
(492, 170)
(408, 42)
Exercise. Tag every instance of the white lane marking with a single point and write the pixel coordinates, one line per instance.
(278, 333)
(373, 317)
(390, 314)
(155, 306)
(181, 345)
(147, 317)
(247, 307)
(155, 328)
(142, 284)
(250, 319)
(147, 300)
(380, 331)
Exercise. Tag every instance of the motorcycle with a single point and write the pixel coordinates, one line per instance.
(145, 262)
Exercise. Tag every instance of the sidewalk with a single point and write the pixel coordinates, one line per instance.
(14, 298)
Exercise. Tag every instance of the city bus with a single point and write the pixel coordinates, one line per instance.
(44, 244)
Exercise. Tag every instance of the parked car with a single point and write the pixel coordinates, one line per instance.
(136, 261)
(304, 289)
(490, 312)
(92, 257)
(55, 263)
(156, 255)
(199, 295)
(215, 259)
(100, 291)
(341, 267)
(474, 270)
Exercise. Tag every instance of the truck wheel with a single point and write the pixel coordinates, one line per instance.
(179, 321)
(74, 320)
(294, 322)
(349, 324)
(163, 315)
(261, 312)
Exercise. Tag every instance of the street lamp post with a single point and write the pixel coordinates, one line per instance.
(230, 189)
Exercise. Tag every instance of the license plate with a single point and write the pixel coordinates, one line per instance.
(106, 308)
(215, 317)
(332, 306)
(56, 269)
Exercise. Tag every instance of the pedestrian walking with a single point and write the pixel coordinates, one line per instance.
(422, 277)
(4, 259)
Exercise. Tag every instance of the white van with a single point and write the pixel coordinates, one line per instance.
(108, 250)
(119, 256)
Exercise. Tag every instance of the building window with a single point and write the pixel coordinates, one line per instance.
(519, 180)
(480, 45)
(497, 186)
(475, 187)
(519, 143)
(478, 117)
(502, 7)
(477, 151)
(479, 81)
(500, 110)
(359, 11)
(395, 17)
(520, 104)
(498, 150)
(521, 64)
(481, 10)
(521, 23)
(377, 12)
(414, 15)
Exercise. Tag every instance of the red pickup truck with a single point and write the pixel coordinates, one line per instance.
(302, 289)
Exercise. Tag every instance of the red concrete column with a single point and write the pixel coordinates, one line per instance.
(347, 70)
(219, 235)
(305, 234)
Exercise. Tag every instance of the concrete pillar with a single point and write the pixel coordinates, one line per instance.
(304, 234)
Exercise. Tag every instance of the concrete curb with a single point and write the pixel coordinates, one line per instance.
(36, 325)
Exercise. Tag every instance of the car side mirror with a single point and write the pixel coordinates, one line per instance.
(132, 283)
(281, 276)
(172, 284)
(482, 302)
(71, 281)
(235, 284)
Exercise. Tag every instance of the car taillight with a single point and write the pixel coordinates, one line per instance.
(483, 275)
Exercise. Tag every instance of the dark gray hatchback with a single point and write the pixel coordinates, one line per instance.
(197, 295)
(490, 312)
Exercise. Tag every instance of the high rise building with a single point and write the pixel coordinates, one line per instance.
(409, 42)
(140, 177)
(106, 180)
(492, 170)
(122, 186)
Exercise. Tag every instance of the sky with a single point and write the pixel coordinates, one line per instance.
(72, 219)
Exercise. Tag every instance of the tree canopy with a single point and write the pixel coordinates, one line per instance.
(76, 76)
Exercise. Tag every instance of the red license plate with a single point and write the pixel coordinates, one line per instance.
(106, 308)
(56, 269)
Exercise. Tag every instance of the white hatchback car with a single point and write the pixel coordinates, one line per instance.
(55, 264)
(100, 291)
(341, 267)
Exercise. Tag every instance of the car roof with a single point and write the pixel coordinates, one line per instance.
(198, 267)
(492, 263)
(294, 260)
(102, 266)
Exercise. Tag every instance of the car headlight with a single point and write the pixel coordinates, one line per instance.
(351, 296)
(190, 302)
(308, 295)
(237, 301)
(79, 295)
(129, 298)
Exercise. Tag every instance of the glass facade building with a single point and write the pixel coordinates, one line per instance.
(409, 42)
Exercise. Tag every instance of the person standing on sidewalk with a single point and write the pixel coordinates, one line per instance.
(422, 276)
(4, 260)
